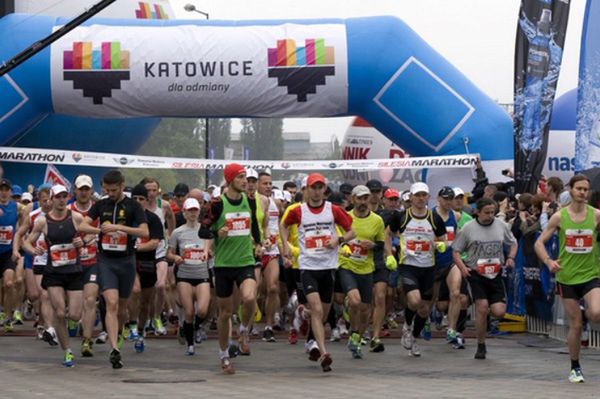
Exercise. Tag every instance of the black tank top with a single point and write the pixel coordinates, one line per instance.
(63, 257)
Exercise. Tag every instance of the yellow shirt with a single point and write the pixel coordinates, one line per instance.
(369, 228)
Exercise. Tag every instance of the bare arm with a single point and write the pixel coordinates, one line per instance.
(170, 218)
(540, 249)
(29, 245)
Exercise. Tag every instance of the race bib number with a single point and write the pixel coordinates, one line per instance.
(238, 224)
(357, 252)
(579, 241)
(192, 254)
(489, 267)
(6, 235)
(88, 252)
(450, 234)
(418, 247)
(63, 255)
(315, 241)
(116, 241)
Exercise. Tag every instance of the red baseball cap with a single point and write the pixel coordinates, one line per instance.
(314, 178)
(391, 193)
(232, 170)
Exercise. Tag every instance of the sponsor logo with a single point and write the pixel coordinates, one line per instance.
(97, 72)
(77, 156)
(123, 160)
(150, 11)
(285, 165)
(301, 69)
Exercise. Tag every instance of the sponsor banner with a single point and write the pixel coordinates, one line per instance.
(266, 71)
(540, 39)
(84, 158)
(53, 176)
(587, 150)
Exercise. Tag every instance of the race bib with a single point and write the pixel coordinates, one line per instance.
(489, 267)
(418, 247)
(6, 235)
(357, 252)
(579, 241)
(116, 241)
(192, 254)
(238, 224)
(88, 252)
(63, 255)
(315, 241)
(450, 234)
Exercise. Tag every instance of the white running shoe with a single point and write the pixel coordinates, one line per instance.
(414, 350)
(407, 339)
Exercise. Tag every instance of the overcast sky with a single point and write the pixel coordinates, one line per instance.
(476, 36)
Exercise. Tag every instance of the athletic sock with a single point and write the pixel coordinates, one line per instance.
(188, 331)
(461, 323)
(409, 316)
(418, 326)
(575, 364)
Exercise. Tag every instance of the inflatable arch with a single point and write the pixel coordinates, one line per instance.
(85, 89)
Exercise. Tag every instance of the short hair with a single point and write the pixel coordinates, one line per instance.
(263, 173)
(483, 202)
(493, 187)
(44, 190)
(147, 180)
(113, 177)
(525, 199)
(577, 178)
(556, 184)
(289, 184)
(537, 201)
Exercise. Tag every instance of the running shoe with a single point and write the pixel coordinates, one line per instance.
(341, 324)
(17, 318)
(376, 345)
(115, 359)
(50, 337)
(72, 327)
(190, 351)
(139, 346)
(226, 366)
(407, 339)
(40, 332)
(200, 335)
(481, 352)
(133, 332)
(293, 336)
(102, 337)
(254, 332)
(451, 336)
(181, 336)
(86, 348)
(149, 328)
(9, 326)
(268, 335)
(29, 313)
(354, 344)
(326, 361)
(69, 360)
(159, 328)
(437, 317)
(125, 331)
(392, 323)
(2, 318)
(243, 347)
(415, 350)
(335, 335)
(233, 350)
(366, 337)
(277, 322)
(576, 376)
(426, 332)
(460, 342)
(120, 341)
(313, 350)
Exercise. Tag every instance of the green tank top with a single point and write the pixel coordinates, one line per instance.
(237, 249)
(578, 252)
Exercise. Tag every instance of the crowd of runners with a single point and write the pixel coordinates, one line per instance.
(323, 265)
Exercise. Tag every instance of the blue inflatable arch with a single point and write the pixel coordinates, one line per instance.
(104, 86)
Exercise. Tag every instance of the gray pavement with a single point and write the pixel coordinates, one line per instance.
(517, 366)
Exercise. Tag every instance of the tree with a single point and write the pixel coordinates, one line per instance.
(263, 138)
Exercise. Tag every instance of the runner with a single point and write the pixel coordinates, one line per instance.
(419, 230)
(357, 266)
(318, 242)
(232, 219)
(577, 267)
(9, 216)
(190, 254)
(83, 190)
(484, 240)
(180, 194)
(121, 220)
(63, 274)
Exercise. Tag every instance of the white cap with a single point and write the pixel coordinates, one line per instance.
(251, 174)
(361, 190)
(458, 191)
(304, 182)
(287, 196)
(406, 196)
(216, 192)
(83, 181)
(211, 186)
(278, 194)
(419, 187)
(26, 197)
(191, 203)
(59, 189)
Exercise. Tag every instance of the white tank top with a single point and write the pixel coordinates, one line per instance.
(314, 231)
(40, 260)
(161, 250)
(273, 227)
(417, 243)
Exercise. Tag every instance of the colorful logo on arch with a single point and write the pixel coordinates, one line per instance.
(301, 69)
(96, 71)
